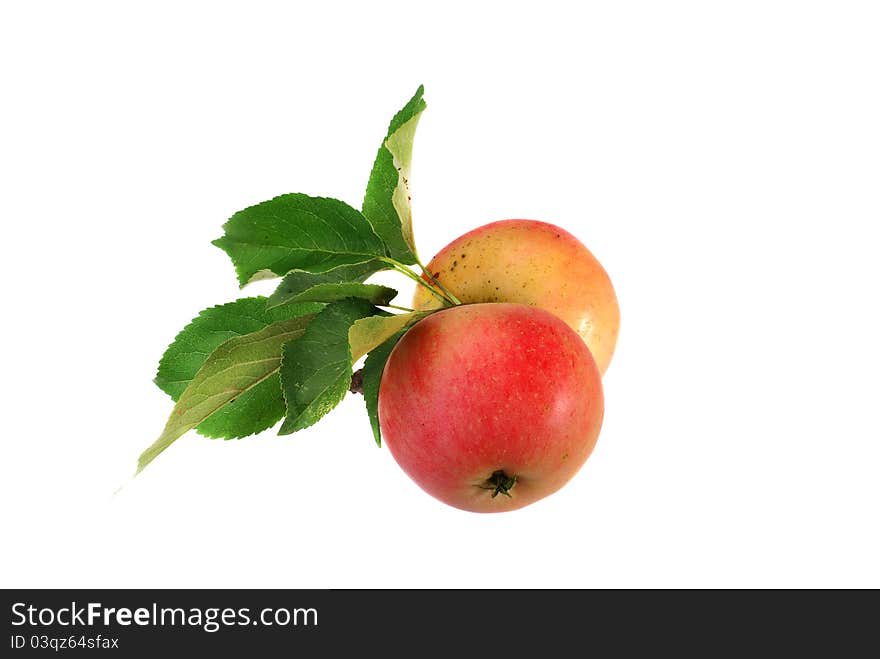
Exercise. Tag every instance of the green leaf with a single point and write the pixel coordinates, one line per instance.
(295, 231)
(261, 407)
(330, 286)
(387, 202)
(235, 368)
(316, 368)
(213, 326)
(372, 293)
(368, 333)
(372, 377)
(298, 281)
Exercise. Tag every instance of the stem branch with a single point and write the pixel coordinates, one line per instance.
(403, 269)
(394, 306)
(438, 284)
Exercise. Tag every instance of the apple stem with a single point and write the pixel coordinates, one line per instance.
(499, 483)
(403, 269)
(437, 283)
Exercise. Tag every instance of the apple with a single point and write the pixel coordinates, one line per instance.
(532, 263)
(490, 407)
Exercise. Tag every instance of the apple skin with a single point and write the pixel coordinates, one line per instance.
(533, 263)
(478, 389)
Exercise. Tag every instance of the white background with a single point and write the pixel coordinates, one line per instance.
(721, 159)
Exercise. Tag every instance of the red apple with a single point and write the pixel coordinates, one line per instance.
(490, 407)
(533, 263)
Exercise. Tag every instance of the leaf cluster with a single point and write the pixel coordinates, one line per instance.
(239, 368)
